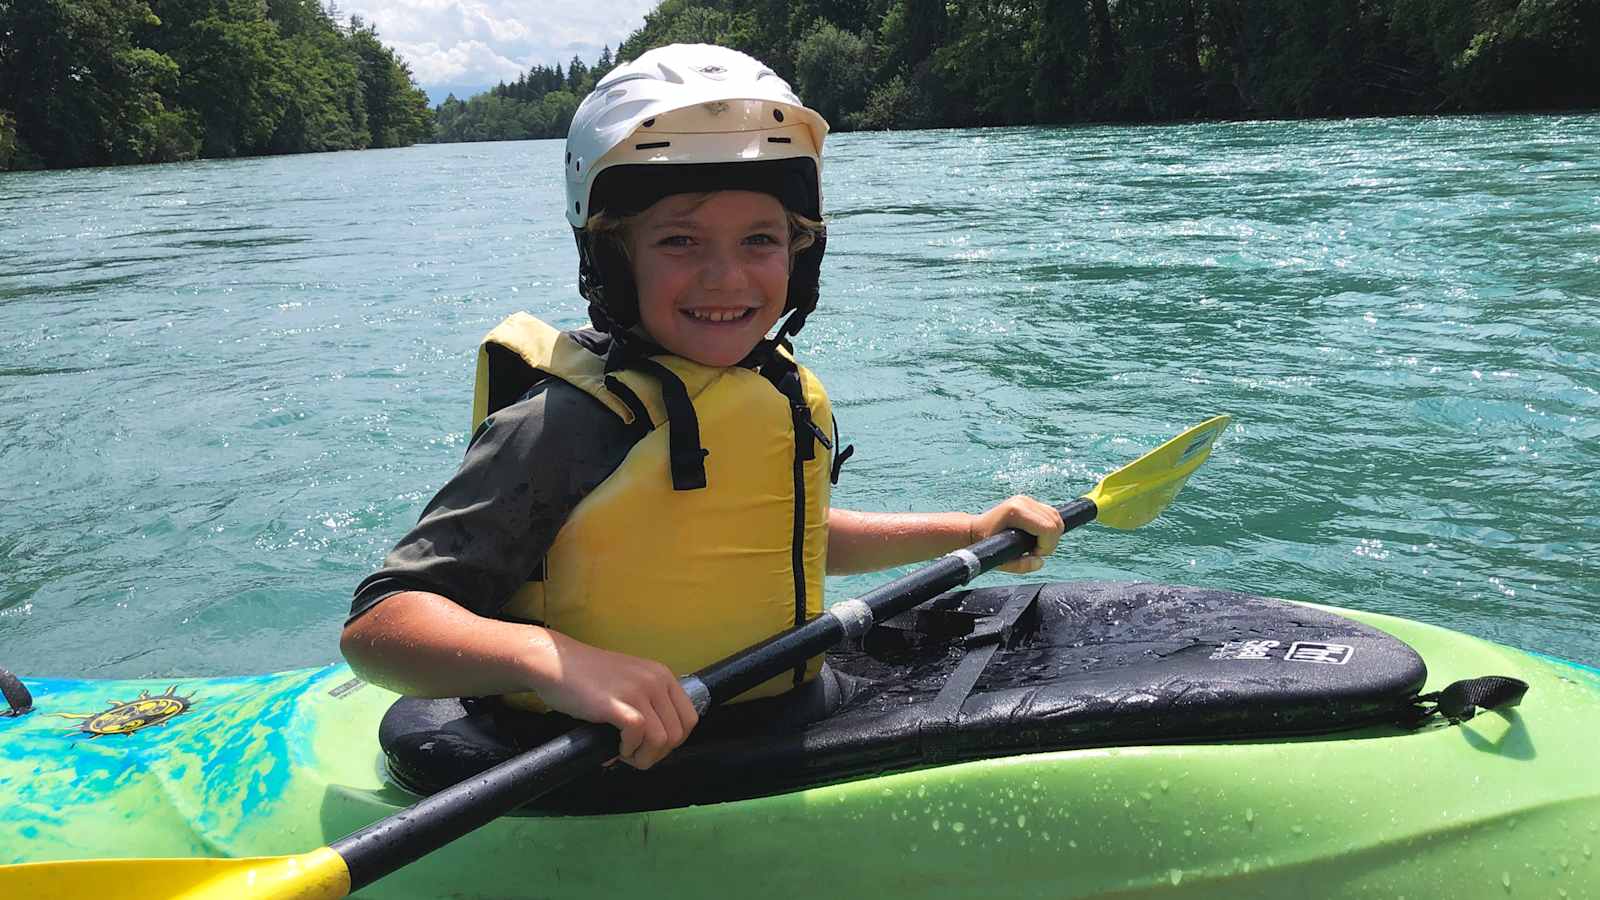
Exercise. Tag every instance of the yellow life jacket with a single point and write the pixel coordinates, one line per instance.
(683, 575)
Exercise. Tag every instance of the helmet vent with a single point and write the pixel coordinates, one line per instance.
(778, 114)
(647, 123)
(653, 145)
(779, 140)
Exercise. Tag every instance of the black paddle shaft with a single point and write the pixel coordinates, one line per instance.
(392, 842)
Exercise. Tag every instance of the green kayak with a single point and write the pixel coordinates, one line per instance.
(1370, 802)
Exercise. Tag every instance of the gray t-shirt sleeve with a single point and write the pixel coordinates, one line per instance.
(488, 529)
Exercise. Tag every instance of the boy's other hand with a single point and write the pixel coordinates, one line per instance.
(640, 697)
(1024, 514)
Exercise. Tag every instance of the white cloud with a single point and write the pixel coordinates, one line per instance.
(462, 62)
(470, 45)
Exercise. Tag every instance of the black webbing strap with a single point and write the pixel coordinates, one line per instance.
(785, 376)
(988, 635)
(16, 694)
(641, 415)
(1461, 700)
(839, 458)
(687, 456)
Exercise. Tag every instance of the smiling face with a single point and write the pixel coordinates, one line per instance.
(712, 272)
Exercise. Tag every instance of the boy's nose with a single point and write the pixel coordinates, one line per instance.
(722, 271)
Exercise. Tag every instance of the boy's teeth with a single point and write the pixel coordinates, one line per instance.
(714, 315)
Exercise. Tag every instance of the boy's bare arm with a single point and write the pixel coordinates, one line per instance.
(425, 645)
(865, 542)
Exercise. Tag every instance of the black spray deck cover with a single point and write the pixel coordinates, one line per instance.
(998, 672)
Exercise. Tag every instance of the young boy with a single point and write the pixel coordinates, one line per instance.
(647, 497)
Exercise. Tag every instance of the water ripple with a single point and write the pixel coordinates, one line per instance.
(226, 387)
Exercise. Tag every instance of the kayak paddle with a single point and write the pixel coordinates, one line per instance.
(1127, 498)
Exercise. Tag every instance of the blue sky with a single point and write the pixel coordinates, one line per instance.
(466, 46)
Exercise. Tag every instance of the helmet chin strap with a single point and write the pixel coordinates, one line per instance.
(790, 327)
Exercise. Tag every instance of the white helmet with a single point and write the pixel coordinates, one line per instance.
(688, 104)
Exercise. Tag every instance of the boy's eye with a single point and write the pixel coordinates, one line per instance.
(762, 239)
(675, 240)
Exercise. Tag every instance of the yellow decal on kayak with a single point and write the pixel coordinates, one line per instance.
(128, 716)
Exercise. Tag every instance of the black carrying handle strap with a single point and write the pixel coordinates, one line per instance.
(686, 455)
(17, 696)
(1461, 700)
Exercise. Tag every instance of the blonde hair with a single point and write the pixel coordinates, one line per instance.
(803, 230)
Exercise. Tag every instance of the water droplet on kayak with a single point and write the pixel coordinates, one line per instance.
(1505, 880)
(1022, 821)
(1250, 818)
(1297, 829)
(958, 827)
(1175, 876)
(1165, 785)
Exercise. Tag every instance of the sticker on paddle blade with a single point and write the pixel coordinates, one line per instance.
(128, 716)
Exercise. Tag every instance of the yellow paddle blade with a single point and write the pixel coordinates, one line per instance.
(318, 875)
(1138, 492)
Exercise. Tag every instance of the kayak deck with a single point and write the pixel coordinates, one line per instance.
(279, 764)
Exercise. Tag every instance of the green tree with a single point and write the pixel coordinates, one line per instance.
(911, 63)
(1160, 75)
(397, 110)
(326, 106)
(555, 113)
(684, 22)
(578, 79)
(234, 68)
(832, 69)
(80, 90)
(897, 103)
(1059, 49)
(1502, 54)
(604, 64)
(984, 64)
(10, 147)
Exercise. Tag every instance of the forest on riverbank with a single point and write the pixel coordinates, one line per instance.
(881, 64)
(110, 82)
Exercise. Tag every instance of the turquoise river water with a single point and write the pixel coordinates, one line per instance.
(227, 387)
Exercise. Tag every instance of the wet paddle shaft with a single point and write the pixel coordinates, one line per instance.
(1127, 498)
